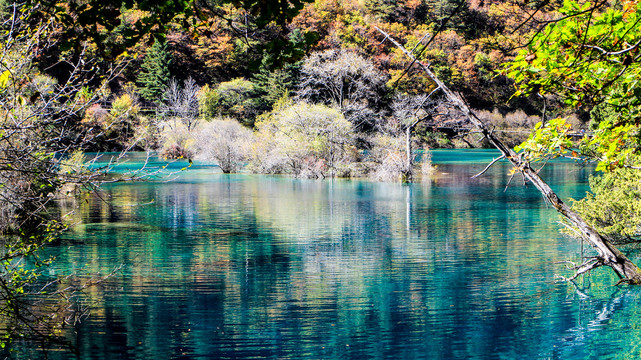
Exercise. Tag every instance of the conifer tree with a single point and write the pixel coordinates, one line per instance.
(273, 85)
(154, 72)
(382, 9)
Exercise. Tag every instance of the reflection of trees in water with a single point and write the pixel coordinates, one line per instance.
(268, 261)
(591, 336)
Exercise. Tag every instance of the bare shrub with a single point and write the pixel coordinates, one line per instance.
(225, 141)
(515, 127)
(265, 157)
(304, 140)
(387, 158)
(176, 140)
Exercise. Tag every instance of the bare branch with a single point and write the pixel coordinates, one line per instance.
(488, 166)
(588, 265)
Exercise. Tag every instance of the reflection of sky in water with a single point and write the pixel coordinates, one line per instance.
(245, 266)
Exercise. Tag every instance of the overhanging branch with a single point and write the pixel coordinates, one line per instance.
(608, 254)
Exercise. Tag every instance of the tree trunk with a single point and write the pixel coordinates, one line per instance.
(607, 253)
(409, 168)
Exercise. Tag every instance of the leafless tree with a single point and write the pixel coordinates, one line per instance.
(181, 103)
(393, 154)
(344, 79)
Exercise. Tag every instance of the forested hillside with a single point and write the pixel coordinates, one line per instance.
(225, 61)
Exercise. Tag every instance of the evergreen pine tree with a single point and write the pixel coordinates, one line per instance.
(272, 85)
(154, 72)
(382, 9)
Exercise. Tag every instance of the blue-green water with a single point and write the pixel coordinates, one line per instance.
(243, 266)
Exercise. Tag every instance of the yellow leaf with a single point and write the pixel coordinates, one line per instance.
(4, 79)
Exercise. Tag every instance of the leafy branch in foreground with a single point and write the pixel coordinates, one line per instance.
(40, 136)
(609, 146)
(592, 60)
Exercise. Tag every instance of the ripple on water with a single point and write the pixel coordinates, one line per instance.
(270, 267)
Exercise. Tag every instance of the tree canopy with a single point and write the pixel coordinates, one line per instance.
(97, 21)
(590, 58)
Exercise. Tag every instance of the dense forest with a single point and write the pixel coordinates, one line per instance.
(199, 90)
(310, 89)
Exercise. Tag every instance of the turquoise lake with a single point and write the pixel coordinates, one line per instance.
(267, 267)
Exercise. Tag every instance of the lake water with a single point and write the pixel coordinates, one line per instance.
(253, 267)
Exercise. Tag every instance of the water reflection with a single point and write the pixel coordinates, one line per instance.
(237, 266)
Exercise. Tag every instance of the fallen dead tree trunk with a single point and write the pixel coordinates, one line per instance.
(607, 254)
